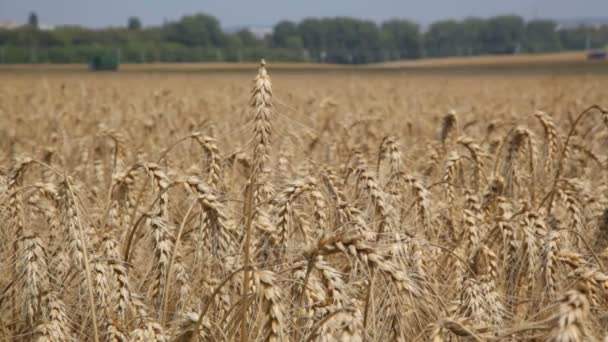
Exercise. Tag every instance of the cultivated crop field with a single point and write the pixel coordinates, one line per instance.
(328, 206)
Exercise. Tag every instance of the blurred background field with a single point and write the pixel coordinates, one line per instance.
(553, 63)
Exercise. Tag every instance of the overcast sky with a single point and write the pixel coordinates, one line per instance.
(98, 13)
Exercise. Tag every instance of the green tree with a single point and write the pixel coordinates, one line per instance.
(402, 36)
(32, 20)
(134, 24)
(574, 38)
(294, 43)
(195, 30)
(445, 38)
(503, 34)
(339, 40)
(283, 32)
(472, 29)
(314, 36)
(232, 40)
(542, 36)
(342, 40)
(248, 38)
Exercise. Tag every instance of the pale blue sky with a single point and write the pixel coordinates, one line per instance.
(99, 13)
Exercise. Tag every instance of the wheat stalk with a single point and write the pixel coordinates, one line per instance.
(568, 322)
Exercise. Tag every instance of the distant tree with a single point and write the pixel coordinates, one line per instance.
(248, 38)
(402, 36)
(283, 32)
(503, 34)
(195, 30)
(134, 24)
(445, 38)
(314, 37)
(367, 48)
(294, 43)
(574, 38)
(32, 21)
(542, 36)
(232, 40)
(339, 40)
(472, 30)
(600, 38)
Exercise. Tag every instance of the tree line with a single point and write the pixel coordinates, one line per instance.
(199, 37)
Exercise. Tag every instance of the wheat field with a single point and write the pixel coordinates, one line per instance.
(303, 207)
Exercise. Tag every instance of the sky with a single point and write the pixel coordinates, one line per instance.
(231, 13)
